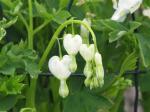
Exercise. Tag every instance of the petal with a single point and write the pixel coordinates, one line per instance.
(119, 15)
(72, 43)
(98, 59)
(58, 69)
(87, 52)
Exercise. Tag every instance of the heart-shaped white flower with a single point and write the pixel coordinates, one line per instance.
(60, 67)
(72, 43)
(87, 52)
(123, 7)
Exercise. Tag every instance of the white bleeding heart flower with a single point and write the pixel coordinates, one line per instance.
(146, 12)
(59, 67)
(87, 52)
(84, 32)
(72, 43)
(123, 8)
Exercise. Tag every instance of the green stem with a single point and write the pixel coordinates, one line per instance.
(41, 26)
(59, 46)
(56, 34)
(30, 95)
(30, 30)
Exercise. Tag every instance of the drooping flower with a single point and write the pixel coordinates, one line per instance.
(72, 45)
(99, 68)
(60, 69)
(123, 7)
(87, 52)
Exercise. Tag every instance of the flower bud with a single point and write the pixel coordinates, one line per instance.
(87, 52)
(72, 43)
(98, 59)
(88, 69)
(58, 67)
(73, 64)
(84, 31)
(63, 89)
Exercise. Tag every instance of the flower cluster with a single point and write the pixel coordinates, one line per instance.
(93, 69)
(124, 7)
(62, 67)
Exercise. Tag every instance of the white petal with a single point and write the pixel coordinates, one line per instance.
(115, 4)
(66, 60)
(87, 52)
(72, 43)
(119, 15)
(58, 69)
(146, 12)
(131, 5)
(98, 58)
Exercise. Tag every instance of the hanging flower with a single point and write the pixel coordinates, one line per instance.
(59, 68)
(123, 7)
(72, 45)
(99, 68)
(87, 52)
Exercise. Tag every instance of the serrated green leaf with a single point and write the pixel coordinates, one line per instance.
(61, 16)
(115, 35)
(134, 25)
(144, 46)
(129, 63)
(42, 11)
(11, 85)
(86, 102)
(109, 24)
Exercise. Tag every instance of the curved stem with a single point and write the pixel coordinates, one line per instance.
(56, 34)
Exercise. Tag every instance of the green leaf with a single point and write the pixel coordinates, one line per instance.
(11, 85)
(134, 25)
(144, 46)
(42, 11)
(115, 35)
(109, 24)
(129, 63)
(7, 102)
(11, 22)
(2, 33)
(61, 16)
(86, 102)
